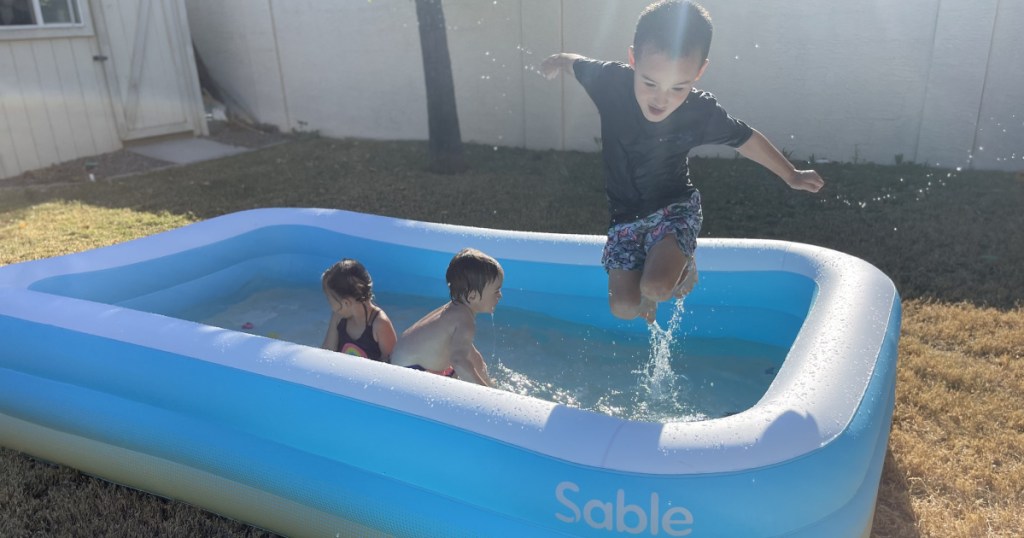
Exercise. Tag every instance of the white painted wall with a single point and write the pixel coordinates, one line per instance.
(999, 140)
(244, 52)
(931, 82)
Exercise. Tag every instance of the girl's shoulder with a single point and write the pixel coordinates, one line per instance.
(378, 315)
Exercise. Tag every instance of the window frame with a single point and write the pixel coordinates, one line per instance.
(52, 30)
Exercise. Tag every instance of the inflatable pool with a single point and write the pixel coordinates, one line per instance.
(97, 372)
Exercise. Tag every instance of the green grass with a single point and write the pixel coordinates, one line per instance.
(953, 242)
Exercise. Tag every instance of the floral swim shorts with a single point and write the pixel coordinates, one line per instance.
(629, 242)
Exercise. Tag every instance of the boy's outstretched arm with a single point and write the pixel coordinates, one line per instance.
(470, 367)
(558, 63)
(761, 151)
(467, 361)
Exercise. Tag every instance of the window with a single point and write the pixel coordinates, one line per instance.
(16, 13)
(60, 11)
(39, 13)
(44, 19)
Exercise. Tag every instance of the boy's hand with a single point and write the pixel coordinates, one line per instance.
(556, 63)
(551, 66)
(806, 180)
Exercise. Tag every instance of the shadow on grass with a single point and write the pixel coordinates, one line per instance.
(49, 499)
(947, 235)
(894, 513)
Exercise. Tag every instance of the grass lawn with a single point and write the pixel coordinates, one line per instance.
(952, 241)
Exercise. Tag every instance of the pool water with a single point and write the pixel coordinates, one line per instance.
(661, 376)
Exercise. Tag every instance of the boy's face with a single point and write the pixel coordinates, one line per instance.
(487, 301)
(661, 83)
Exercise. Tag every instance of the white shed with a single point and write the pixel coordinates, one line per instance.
(83, 77)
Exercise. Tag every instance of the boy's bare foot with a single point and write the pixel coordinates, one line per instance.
(648, 309)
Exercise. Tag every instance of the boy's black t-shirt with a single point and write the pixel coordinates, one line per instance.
(646, 163)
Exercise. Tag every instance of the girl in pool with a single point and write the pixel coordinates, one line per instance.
(358, 326)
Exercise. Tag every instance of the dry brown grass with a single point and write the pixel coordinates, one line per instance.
(61, 227)
(952, 242)
(957, 447)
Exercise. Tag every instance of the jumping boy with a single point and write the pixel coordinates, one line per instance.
(651, 117)
(442, 341)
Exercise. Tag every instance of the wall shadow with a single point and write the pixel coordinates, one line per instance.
(894, 513)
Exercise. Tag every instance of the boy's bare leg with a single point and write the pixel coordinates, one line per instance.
(665, 270)
(667, 273)
(687, 281)
(624, 296)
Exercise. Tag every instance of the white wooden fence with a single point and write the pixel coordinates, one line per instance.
(919, 80)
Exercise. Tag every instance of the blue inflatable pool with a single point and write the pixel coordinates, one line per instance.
(97, 372)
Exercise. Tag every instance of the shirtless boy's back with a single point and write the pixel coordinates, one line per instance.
(435, 342)
(442, 341)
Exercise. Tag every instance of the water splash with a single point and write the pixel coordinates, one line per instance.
(658, 383)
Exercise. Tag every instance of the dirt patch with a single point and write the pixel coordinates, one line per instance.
(125, 163)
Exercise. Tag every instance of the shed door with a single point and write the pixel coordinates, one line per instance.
(147, 54)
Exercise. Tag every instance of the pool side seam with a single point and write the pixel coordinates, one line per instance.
(611, 443)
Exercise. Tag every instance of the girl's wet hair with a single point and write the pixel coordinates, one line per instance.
(471, 270)
(348, 278)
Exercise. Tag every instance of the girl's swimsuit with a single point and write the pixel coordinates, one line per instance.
(447, 372)
(364, 346)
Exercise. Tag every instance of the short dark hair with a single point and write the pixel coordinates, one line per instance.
(471, 270)
(349, 279)
(674, 27)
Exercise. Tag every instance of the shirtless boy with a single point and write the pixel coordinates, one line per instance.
(442, 341)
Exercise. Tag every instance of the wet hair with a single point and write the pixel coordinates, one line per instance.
(675, 28)
(349, 279)
(471, 270)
